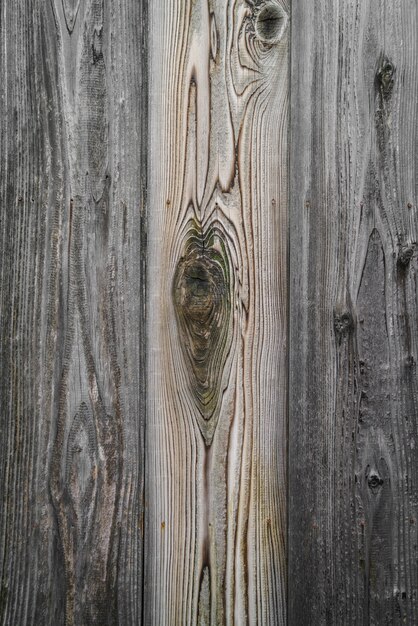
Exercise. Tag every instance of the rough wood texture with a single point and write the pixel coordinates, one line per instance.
(73, 167)
(353, 459)
(144, 368)
(217, 270)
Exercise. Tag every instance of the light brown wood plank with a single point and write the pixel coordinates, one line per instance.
(217, 310)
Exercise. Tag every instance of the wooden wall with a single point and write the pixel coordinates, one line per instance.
(208, 312)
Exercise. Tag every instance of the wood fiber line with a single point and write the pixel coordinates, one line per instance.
(73, 170)
(217, 310)
(353, 465)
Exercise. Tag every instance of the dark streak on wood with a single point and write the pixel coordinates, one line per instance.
(375, 437)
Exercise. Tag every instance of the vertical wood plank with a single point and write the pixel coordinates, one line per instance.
(353, 466)
(72, 394)
(216, 430)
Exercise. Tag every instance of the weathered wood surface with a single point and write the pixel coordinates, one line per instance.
(353, 455)
(144, 297)
(217, 309)
(73, 167)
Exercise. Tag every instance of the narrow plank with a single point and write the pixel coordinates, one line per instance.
(32, 186)
(217, 307)
(353, 465)
(73, 173)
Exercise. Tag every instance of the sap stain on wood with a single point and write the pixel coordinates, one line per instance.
(202, 299)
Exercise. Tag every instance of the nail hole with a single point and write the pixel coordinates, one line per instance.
(270, 23)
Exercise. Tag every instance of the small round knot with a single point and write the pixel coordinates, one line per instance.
(374, 481)
(270, 23)
(405, 255)
(343, 323)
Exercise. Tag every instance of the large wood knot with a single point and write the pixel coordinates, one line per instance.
(202, 300)
(270, 23)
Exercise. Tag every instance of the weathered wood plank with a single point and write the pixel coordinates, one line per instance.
(72, 398)
(216, 429)
(353, 465)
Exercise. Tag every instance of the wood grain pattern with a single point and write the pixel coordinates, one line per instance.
(216, 430)
(73, 171)
(353, 466)
(148, 295)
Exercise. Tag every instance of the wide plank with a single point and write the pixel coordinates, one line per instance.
(73, 171)
(217, 313)
(353, 458)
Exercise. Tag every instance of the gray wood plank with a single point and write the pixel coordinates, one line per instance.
(217, 267)
(353, 464)
(72, 230)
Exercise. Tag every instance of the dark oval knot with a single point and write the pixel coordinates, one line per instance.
(386, 77)
(270, 23)
(343, 323)
(374, 481)
(202, 302)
